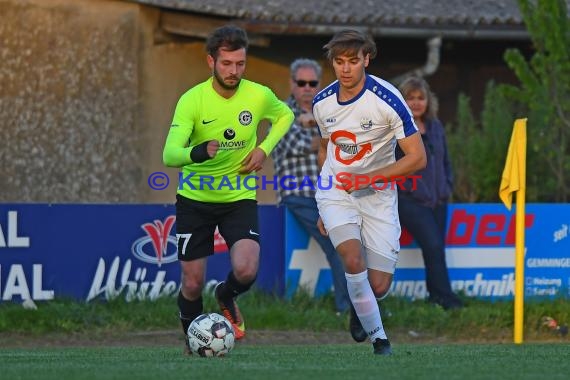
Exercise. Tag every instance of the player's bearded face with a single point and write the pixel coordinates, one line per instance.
(228, 68)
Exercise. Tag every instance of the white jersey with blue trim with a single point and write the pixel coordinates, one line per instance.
(362, 132)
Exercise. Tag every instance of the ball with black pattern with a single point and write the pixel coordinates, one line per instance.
(211, 335)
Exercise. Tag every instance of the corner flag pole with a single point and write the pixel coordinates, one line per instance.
(514, 180)
(519, 258)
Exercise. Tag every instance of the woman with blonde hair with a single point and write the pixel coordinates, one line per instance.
(423, 209)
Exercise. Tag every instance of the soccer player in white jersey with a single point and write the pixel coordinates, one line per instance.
(361, 118)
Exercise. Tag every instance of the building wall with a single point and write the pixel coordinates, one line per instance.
(68, 104)
(87, 92)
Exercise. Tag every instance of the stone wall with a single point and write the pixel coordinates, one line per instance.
(87, 93)
(68, 101)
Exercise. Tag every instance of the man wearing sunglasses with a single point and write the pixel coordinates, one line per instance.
(295, 157)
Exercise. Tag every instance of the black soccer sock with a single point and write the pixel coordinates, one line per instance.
(232, 288)
(189, 310)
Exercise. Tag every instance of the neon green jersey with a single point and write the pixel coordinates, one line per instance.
(202, 115)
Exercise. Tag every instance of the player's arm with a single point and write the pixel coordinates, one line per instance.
(324, 141)
(177, 152)
(322, 154)
(281, 117)
(321, 157)
(414, 159)
(410, 141)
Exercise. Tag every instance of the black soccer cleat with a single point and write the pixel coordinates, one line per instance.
(382, 347)
(356, 330)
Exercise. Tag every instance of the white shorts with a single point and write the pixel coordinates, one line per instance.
(376, 212)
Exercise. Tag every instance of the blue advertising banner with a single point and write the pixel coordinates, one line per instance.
(105, 251)
(480, 254)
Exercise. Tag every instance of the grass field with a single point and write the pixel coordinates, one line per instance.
(334, 361)
(287, 339)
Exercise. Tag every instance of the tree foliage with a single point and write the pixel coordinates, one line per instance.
(545, 91)
(478, 149)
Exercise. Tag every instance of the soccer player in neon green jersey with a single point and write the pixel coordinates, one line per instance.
(213, 138)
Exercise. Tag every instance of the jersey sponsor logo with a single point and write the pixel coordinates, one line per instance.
(366, 123)
(245, 117)
(174, 125)
(349, 148)
(208, 121)
(330, 120)
(158, 238)
(233, 145)
(229, 134)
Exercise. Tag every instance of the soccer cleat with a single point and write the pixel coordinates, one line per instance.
(356, 329)
(230, 311)
(382, 347)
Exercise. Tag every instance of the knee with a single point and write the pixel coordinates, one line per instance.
(245, 274)
(354, 264)
(352, 257)
(245, 260)
(381, 290)
(191, 286)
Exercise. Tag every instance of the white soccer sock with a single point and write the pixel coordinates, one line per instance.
(365, 304)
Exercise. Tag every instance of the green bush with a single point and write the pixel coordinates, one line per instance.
(478, 148)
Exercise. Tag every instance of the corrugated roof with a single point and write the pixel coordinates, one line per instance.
(403, 18)
(362, 12)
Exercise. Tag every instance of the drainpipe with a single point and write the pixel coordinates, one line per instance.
(431, 65)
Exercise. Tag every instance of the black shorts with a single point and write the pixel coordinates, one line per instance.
(196, 223)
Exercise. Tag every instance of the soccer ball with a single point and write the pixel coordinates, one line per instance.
(211, 335)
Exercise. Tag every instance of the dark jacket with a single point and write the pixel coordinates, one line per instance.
(436, 182)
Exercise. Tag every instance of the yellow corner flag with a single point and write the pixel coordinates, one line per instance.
(514, 180)
(514, 174)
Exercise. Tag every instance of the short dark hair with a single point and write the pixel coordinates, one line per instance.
(350, 42)
(228, 37)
